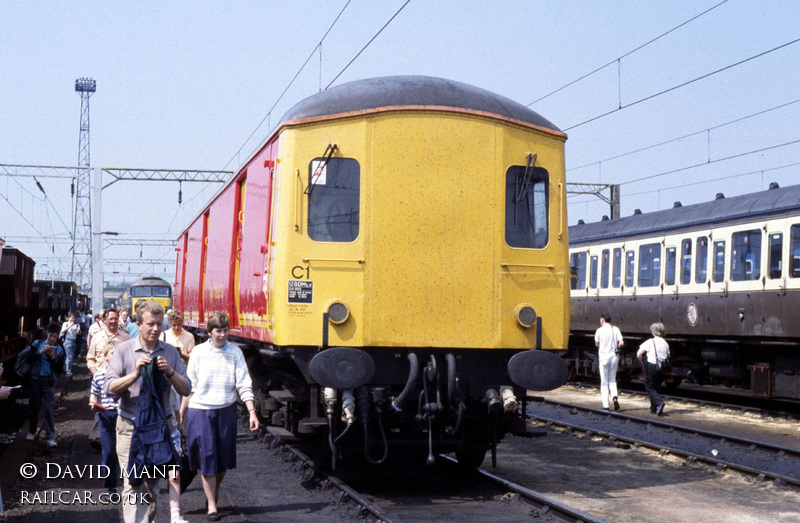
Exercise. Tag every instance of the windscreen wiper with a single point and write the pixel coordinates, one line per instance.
(522, 188)
(326, 157)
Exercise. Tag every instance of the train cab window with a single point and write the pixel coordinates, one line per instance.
(746, 255)
(616, 277)
(526, 207)
(630, 265)
(334, 200)
(775, 255)
(650, 265)
(605, 269)
(719, 262)
(147, 291)
(579, 265)
(593, 273)
(794, 251)
(672, 256)
(701, 260)
(686, 261)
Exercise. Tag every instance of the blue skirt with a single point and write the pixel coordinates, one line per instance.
(211, 439)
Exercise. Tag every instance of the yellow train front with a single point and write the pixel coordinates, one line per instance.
(399, 259)
(149, 288)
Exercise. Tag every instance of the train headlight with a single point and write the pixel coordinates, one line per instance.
(338, 312)
(525, 315)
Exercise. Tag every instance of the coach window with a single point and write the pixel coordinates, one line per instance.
(794, 251)
(333, 199)
(630, 264)
(616, 279)
(669, 278)
(650, 265)
(686, 261)
(593, 273)
(579, 264)
(719, 262)
(775, 255)
(746, 255)
(605, 269)
(701, 260)
(526, 207)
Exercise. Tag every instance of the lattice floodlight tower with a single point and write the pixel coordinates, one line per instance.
(81, 272)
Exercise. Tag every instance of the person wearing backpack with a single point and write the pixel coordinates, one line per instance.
(48, 359)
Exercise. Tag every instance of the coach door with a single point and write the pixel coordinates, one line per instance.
(237, 254)
(775, 279)
(201, 294)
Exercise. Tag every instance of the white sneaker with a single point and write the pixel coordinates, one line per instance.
(177, 519)
(30, 436)
(52, 443)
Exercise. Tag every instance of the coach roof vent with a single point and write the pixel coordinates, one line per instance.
(676, 205)
(719, 196)
(637, 211)
(581, 222)
(604, 218)
(774, 185)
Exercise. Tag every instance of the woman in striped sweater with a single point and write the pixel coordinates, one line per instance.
(218, 373)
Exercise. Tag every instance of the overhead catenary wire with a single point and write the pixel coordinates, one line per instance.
(685, 136)
(694, 166)
(684, 84)
(368, 44)
(266, 116)
(619, 58)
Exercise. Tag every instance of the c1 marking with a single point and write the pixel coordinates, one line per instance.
(299, 272)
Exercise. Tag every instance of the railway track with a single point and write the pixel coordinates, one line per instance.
(764, 461)
(368, 507)
(363, 508)
(788, 411)
(542, 504)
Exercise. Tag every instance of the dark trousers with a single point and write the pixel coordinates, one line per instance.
(652, 381)
(42, 391)
(108, 442)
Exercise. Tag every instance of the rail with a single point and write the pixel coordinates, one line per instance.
(715, 439)
(545, 504)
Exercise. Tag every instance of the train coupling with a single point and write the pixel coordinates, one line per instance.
(329, 395)
(348, 407)
(510, 402)
(493, 401)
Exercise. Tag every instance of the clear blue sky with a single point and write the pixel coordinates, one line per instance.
(184, 84)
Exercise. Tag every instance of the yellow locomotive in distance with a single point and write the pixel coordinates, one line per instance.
(397, 252)
(149, 288)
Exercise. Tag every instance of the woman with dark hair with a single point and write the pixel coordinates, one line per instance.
(655, 351)
(218, 373)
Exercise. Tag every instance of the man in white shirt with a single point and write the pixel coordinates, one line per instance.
(608, 340)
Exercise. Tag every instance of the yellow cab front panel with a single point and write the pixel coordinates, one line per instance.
(424, 260)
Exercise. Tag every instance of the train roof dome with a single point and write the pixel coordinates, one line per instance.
(698, 216)
(412, 91)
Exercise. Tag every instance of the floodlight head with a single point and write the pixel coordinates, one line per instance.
(85, 85)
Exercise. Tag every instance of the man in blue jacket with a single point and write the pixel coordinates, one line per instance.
(48, 365)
